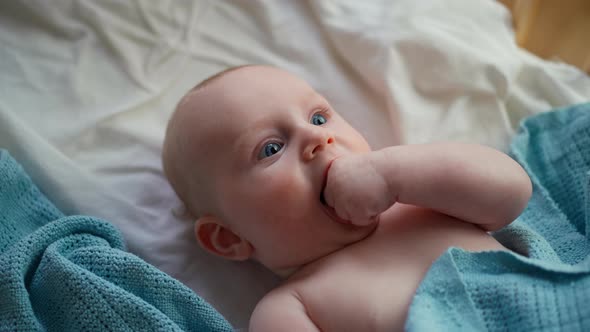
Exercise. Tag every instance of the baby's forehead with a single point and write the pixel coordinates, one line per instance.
(211, 124)
(225, 109)
(242, 94)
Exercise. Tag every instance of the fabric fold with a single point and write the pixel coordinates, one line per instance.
(72, 273)
(543, 284)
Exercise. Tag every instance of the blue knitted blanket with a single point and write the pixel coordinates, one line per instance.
(60, 273)
(544, 285)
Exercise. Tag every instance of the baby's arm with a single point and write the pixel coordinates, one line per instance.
(281, 310)
(470, 182)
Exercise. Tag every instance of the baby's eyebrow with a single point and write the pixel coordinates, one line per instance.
(315, 100)
(245, 139)
(311, 98)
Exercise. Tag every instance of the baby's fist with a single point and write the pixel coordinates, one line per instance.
(356, 189)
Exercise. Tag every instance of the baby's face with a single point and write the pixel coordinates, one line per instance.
(270, 141)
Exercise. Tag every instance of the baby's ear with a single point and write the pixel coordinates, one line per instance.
(220, 240)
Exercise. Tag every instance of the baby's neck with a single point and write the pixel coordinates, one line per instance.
(289, 271)
(285, 273)
(300, 270)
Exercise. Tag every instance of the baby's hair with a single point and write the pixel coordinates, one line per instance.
(218, 75)
(181, 211)
(185, 210)
(210, 80)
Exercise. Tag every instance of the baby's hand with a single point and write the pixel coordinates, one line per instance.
(356, 190)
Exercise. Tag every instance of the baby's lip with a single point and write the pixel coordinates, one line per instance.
(326, 176)
(325, 181)
(333, 215)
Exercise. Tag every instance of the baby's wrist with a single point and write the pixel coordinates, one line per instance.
(385, 163)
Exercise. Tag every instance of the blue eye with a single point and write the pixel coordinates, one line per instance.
(318, 119)
(270, 149)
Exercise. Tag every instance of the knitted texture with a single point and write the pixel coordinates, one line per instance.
(544, 284)
(72, 273)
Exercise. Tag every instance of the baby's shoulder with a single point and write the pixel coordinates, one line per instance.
(280, 309)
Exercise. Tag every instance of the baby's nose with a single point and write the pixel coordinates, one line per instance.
(317, 143)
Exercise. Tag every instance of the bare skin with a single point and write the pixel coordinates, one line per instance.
(369, 285)
(272, 173)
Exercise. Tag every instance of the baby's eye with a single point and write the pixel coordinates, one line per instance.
(270, 149)
(318, 119)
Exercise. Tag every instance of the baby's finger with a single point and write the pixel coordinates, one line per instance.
(361, 221)
(364, 221)
(342, 213)
(357, 218)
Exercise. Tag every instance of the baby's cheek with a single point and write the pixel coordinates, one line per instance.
(279, 190)
(285, 191)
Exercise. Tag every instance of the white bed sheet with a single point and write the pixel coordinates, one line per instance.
(86, 88)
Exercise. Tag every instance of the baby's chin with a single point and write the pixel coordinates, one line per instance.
(355, 235)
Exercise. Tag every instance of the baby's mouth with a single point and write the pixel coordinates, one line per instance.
(324, 183)
(330, 210)
(323, 199)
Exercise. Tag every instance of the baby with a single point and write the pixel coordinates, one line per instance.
(271, 172)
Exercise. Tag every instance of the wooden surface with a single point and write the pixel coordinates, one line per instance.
(554, 29)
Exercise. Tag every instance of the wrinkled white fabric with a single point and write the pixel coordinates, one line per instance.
(86, 88)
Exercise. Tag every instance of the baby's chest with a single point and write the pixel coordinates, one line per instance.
(370, 285)
(361, 298)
